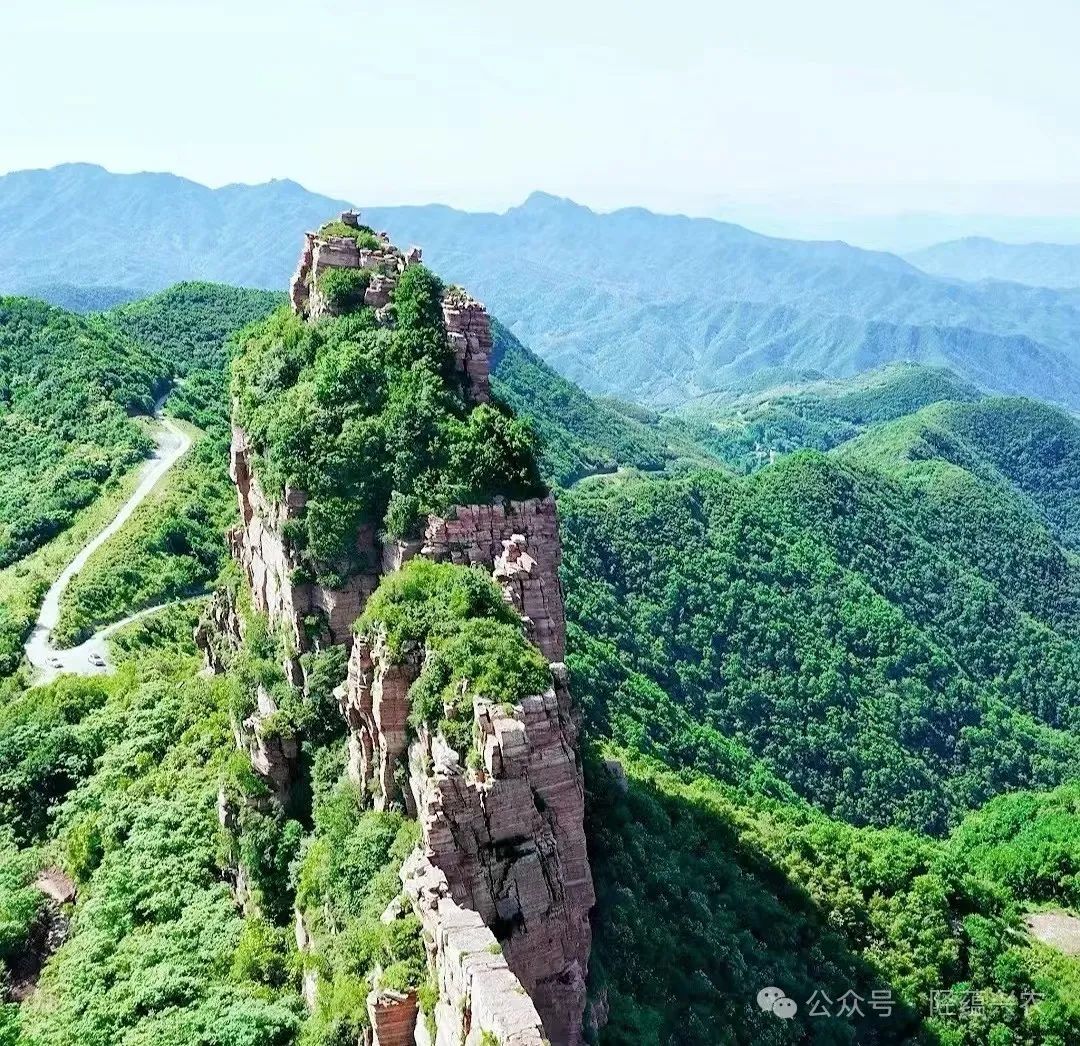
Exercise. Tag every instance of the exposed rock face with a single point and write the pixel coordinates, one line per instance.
(48, 932)
(509, 840)
(273, 755)
(469, 332)
(393, 1017)
(519, 542)
(219, 630)
(375, 703)
(478, 992)
(321, 253)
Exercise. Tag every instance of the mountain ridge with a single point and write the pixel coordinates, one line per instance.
(658, 308)
(978, 258)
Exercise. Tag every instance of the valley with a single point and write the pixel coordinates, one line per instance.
(92, 656)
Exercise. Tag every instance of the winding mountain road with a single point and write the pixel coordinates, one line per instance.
(92, 657)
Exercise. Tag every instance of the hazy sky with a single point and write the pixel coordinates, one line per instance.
(825, 106)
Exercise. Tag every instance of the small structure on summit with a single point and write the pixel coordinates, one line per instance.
(347, 264)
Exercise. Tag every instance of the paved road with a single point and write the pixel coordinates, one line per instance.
(172, 444)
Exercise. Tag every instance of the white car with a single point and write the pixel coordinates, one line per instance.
(55, 662)
(97, 660)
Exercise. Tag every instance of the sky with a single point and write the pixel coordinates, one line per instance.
(818, 110)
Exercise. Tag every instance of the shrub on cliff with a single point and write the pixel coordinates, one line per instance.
(372, 421)
(344, 882)
(344, 288)
(475, 641)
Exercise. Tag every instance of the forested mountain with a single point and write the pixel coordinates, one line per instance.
(830, 704)
(79, 298)
(884, 637)
(978, 258)
(653, 308)
(897, 645)
(748, 429)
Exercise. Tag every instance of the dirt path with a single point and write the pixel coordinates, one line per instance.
(47, 661)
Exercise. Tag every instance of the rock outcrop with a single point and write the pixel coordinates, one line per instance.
(47, 933)
(273, 754)
(281, 587)
(508, 838)
(501, 880)
(374, 254)
(519, 542)
(468, 330)
(478, 992)
(375, 703)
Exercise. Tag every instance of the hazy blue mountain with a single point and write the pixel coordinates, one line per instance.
(80, 224)
(663, 309)
(979, 258)
(905, 232)
(658, 309)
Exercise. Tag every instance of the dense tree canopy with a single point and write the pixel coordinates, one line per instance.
(371, 421)
(68, 388)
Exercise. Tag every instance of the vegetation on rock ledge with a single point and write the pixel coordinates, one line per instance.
(475, 643)
(373, 423)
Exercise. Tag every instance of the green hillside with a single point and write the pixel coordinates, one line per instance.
(835, 619)
(174, 546)
(842, 693)
(190, 325)
(68, 389)
(746, 429)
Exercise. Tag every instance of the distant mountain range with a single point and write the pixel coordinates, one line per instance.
(978, 258)
(81, 225)
(658, 309)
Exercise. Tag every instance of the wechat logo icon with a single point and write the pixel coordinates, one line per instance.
(773, 1000)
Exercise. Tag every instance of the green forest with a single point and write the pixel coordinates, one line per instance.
(829, 700)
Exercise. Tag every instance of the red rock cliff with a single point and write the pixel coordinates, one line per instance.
(501, 880)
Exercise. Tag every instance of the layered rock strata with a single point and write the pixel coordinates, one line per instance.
(509, 840)
(468, 330)
(478, 992)
(501, 880)
(393, 1017)
(375, 703)
(519, 542)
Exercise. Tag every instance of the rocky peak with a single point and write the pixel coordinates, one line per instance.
(501, 880)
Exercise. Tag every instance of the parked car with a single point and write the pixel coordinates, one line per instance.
(55, 662)
(97, 660)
